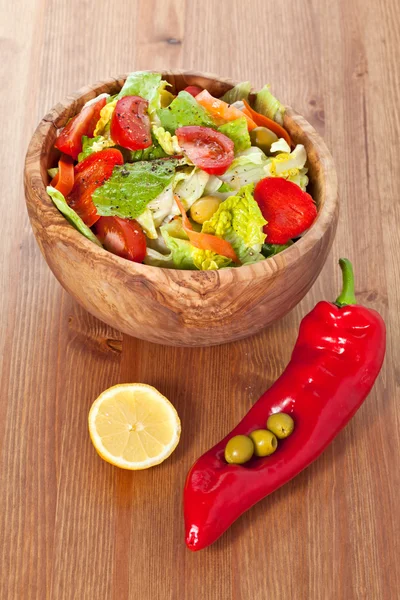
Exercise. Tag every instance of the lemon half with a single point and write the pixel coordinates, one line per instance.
(133, 426)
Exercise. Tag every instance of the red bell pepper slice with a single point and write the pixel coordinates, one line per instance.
(287, 209)
(64, 180)
(84, 123)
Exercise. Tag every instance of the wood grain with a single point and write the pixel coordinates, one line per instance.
(179, 308)
(71, 526)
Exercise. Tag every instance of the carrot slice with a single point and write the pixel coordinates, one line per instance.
(263, 121)
(221, 111)
(205, 241)
(64, 180)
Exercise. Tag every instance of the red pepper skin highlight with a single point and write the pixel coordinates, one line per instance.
(337, 357)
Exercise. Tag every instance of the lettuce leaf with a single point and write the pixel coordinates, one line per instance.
(224, 188)
(183, 110)
(239, 134)
(266, 104)
(191, 185)
(289, 165)
(179, 245)
(146, 222)
(151, 153)
(207, 260)
(95, 144)
(147, 85)
(52, 172)
(156, 259)
(241, 215)
(162, 206)
(245, 254)
(240, 91)
(71, 216)
(186, 256)
(132, 187)
(248, 167)
(104, 123)
(169, 143)
(272, 249)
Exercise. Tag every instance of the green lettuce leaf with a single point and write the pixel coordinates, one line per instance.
(178, 243)
(224, 188)
(132, 187)
(245, 254)
(272, 249)
(71, 216)
(95, 144)
(239, 134)
(190, 186)
(248, 167)
(52, 172)
(151, 153)
(186, 256)
(240, 91)
(156, 259)
(104, 123)
(241, 215)
(288, 165)
(266, 104)
(146, 85)
(169, 143)
(207, 260)
(163, 206)
(146, 222)
(182, 111)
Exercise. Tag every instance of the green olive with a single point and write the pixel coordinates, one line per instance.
(203, 209)
(265, 443)
(263, 138)
(281, 424)
(239, 450)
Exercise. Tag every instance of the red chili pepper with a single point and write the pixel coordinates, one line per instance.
(336, 359)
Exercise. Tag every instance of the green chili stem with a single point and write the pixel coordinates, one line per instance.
(347, 296)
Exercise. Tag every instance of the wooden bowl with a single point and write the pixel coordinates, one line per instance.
(168, 306)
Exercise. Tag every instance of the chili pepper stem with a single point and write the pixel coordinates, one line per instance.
(347, 295)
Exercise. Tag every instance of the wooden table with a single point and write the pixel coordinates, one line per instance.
(72, 526)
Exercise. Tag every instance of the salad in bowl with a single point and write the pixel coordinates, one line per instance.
(183, 181)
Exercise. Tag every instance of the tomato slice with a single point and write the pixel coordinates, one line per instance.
(123, 237)
(64, 180)
(90, 174)
(288, 210)
(70, 139)
(209, 150)
(130, 123)
(193, 90)
(263, 121)
(205, 241)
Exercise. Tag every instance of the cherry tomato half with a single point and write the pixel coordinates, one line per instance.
(193, 90)
(130, 123)
(90, 174)
(123, 237)
(70, 139)
(209, 150)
